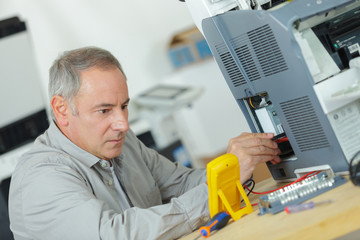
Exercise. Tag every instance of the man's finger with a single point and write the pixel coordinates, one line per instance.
(260, 150)
(252, 142)
(276, 160)
(260, 135)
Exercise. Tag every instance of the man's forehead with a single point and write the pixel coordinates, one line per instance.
(99, 80)
(103, 89)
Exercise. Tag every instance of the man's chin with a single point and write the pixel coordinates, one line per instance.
(112, 155)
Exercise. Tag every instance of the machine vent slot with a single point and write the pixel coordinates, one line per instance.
(267, 50)
(233, 71)
(247, 61)
(304, 124)
(258, 53)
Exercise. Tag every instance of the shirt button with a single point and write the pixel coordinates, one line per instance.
(103, 165)
(110, 182)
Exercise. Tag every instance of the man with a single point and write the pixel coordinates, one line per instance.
(89, 177)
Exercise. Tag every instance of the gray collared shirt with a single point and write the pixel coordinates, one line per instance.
(59, 191)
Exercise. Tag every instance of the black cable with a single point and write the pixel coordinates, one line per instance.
(250, 185)
(252, 182)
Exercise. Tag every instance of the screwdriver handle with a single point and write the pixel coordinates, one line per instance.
(299, 207)
(305, 206)
(217, 222)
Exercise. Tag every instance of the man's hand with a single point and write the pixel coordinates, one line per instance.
(252, 149)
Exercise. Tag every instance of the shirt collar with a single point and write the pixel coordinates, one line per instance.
(60, 141)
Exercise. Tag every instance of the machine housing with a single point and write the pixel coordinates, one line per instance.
(293, 69)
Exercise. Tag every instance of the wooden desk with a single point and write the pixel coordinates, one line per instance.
(328, 221)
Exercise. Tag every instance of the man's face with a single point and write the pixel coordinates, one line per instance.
(101, 120)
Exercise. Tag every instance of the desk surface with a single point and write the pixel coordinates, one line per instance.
(328, 221)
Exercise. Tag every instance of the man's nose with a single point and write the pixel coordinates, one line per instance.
(120, 122)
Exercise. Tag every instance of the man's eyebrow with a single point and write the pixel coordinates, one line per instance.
(101, 105)
(126, 102)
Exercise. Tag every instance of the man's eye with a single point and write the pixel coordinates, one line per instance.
(124, 107)
(103, 111)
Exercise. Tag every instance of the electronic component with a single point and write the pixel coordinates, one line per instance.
(299, 192)
(264, 114)
(283, 144)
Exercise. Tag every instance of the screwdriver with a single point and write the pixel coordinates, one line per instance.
(305, 206)
(217, 222)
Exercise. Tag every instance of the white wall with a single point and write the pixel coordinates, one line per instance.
(136, 32)
(213, 118)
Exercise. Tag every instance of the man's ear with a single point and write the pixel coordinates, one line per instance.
(60, 109)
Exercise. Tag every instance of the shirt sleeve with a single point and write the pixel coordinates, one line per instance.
(57, 203)
(173, 179)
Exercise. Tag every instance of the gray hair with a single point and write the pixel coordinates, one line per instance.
(64, 75)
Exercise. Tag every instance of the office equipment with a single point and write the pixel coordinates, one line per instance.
(168, 97)
(156, 109)
(217, 222)
(5, 232)
(22, 106)
(330, 221)
(299, 192)
(225, 190)
(289, 66)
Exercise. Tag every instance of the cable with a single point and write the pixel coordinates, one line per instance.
(251, 103)
(310, 174)
(354, 169)
(252, 182)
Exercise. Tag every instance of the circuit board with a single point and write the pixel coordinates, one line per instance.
(299, 192)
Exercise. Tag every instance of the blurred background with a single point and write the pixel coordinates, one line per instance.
(150, 39)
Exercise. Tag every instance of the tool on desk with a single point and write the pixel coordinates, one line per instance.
(217, 222)
(225, 190)
(304, 206)
(298, 192)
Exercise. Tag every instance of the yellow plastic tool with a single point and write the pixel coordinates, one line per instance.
(225, 189)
